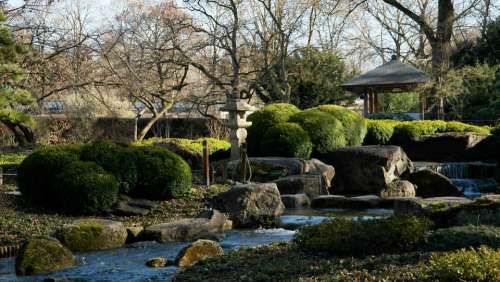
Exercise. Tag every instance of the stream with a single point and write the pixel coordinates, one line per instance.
(128, 264)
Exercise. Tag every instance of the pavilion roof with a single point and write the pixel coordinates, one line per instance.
(391, 75)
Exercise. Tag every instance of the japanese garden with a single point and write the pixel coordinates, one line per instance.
(249, 140)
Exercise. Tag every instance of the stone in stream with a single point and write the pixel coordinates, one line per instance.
(93, 234)
(208, 225)
(198, 251)
(43, 255)
(134, 234)
(298, 184)
(158, 262)
(433, 184)
(295, 201)
(366, 169)
(398, 188)
(342, 202)
(251, 205)
(127, 206)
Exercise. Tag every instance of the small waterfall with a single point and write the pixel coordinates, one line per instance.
(473, 178)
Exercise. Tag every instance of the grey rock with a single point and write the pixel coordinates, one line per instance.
(267, 169)
(317, 167)
(342, 202)
(419, 207)
(134, 234)
(433, 184)
(366, 169)
(399, 188)
(157, 262)
(197, 251)
(43, 255)
(298, 184)
(188, 228)
(251, 205)
(295, 201)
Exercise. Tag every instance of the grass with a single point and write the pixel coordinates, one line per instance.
(20, 221)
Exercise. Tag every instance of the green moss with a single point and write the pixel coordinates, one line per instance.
(81, 238)
(325, 131)
(43, 255)
(355, 126)
(286, 140)
(196, 145)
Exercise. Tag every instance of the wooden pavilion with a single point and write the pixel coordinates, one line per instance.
(391, 77)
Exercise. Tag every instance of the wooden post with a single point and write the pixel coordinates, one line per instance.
(1, 176)
(206, 163)
(423, 106)
(375, 102)
(243, 165)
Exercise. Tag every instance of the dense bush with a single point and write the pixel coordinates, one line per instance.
(354, 125)
(264, 119)
(286, 140)
(37, 173)
(84, 188)
(463, 236)
(114, 158)
(478, 265)
(357, 238)
(496, 130)
(161, 174)
(325, 131)
(195, 145)
(391, 116)
(380, 132)
(455, 126)
(406, 131)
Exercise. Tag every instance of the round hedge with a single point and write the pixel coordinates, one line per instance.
(380, 132)
(85, 188)
(354, 125)
(118, 160)
(161, 174)
(406, 131)
(264, 119)
(36, 175)
(325, 131)
(286, 140)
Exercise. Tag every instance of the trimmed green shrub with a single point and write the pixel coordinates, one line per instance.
(325, 131)
(406, 131)
(391, 116)
(463, 236)
(380, 132)
(196, 145)
(455, 126)
(354, 124)
(264, 119)
(37, 173)
(286, 140)
(482, 264)
(359, 238)
(161, 174)
(85, 188)
(118, 160)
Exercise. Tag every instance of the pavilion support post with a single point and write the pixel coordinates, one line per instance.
(365, 105)
(375, 102)
(423, 106)
(372, 101)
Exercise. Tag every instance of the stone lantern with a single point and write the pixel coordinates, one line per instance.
(237, 124)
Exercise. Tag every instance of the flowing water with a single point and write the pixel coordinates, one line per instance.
(128, 264)
(473, 178)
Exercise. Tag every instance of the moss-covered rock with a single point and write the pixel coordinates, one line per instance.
(199, 250)
(92, 235)
(43, 255)
(157, 262)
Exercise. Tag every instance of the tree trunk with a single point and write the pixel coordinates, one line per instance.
(23, 135)
(150, 124)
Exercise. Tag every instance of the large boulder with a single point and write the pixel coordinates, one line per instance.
(433, 184)
(450, 146)
(251, 205)
(366, 169)
(127, 206)
(317, 167)
(43, 255)
(93, 234)
(295, 201)
(207, 225)
(301, 184)
(267, 169)
(399, 188)
(452, 211)
(197, 251)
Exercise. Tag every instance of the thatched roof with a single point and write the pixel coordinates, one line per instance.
(391, 75)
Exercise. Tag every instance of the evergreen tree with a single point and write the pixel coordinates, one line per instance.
(15, 102)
